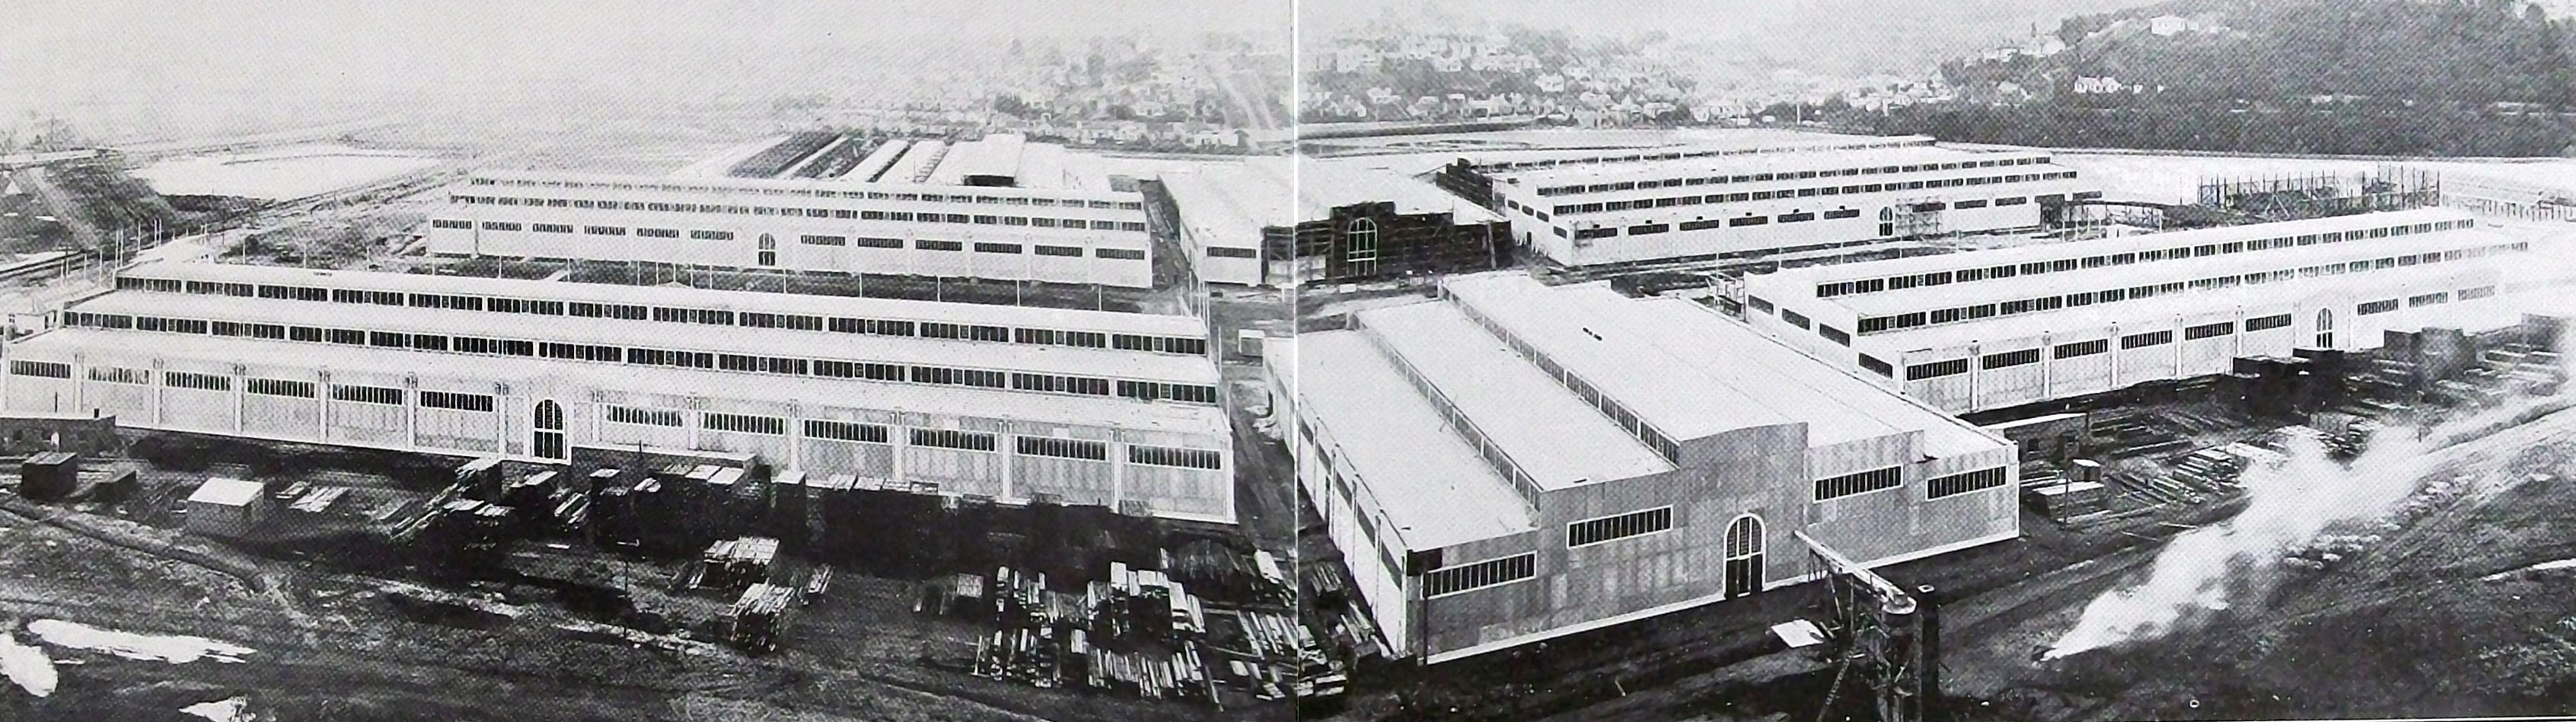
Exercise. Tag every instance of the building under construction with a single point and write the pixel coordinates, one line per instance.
(2322, 194)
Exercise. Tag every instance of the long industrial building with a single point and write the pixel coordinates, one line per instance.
(1513, 462)
(1997, 328)
(1694, 207)
(991, 209)
(1004, 402)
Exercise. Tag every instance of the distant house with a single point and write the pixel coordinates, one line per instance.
(2104, 84)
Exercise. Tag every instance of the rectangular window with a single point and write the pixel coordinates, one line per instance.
(604, 230)
(1175, 457)
(1794, 318)
(2376, 307)
(2267, 322)
(1956, 484)
(2009, 359)
(1835, 335)
(711, 235)
(1936, 369)
(1748, 221)
(120, 375)
(2472, 294)
(931, 245)
(1061, 448)
(280, 387)
(814, 240)
(646, 417)
(2209, 330)
(367, 394)
(2083, 348)
(1119, 253)
(743, 423)
(1859, 483)
(454, 400)
(1073, 251)
(1876, 366)
(2428, 299)
(1479, 575)
(186, 380)
(981, 247)
(845, 431)
(951, 439)
(1635, 523)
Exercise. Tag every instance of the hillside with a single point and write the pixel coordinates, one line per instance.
(2475, 52)
(2387, 77)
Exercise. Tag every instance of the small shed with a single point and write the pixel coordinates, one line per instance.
(49, 476)
(227, 507)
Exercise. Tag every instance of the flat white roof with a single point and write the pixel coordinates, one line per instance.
(1926, 298)
(854, 393)
(1664, 391)
(777, 342)
(1229, 203)
(680, 296)
(1324, 184)
(1812, 275)
(919, 152)
(1750, 163)
(227, 492)
(1556, 437)
(1693, 372)
(2101, 316)
(1426, 479)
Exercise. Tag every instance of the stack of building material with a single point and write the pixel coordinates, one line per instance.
(737, 562)
(760, 617)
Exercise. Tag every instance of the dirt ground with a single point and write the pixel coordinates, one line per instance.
(331, 646)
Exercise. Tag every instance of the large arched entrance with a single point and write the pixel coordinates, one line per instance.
(1743, 556)
(2325, 328)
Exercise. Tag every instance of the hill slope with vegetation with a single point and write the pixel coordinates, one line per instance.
(2378, 77)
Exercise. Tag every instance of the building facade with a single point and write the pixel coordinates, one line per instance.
(1515, 462)
(1997, 328)
(1371, 241)
(1006, 403)
(1700, 207)
(1061, 235)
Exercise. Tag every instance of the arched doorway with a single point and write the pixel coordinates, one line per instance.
(2325, 328)
(768, 250)
(1359, 247)
(549, 430)
(1743, 556)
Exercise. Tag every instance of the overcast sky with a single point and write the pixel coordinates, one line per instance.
(57, 54)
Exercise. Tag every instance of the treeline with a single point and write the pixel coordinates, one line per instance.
(2456, 51)
(2338, 131)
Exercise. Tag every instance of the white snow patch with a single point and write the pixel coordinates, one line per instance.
(28, 666)
(236, 709)
(175, 649)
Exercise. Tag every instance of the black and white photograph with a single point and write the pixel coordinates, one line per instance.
(1271, 360)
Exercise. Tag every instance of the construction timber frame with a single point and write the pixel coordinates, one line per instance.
(1890, 637)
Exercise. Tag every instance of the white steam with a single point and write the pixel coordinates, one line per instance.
(2203, 570)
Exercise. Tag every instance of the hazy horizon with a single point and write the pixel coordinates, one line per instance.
(138, 68)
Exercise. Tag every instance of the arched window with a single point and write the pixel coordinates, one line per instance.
(1744, 556)
(1359, 247)
(1360, 242)
(2325, 328)
(549, 430)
